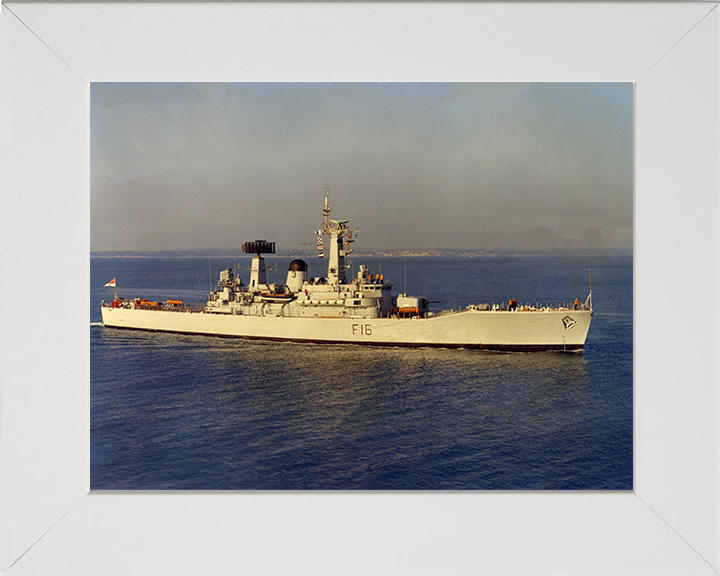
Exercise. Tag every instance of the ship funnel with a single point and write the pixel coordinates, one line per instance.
(297, 275)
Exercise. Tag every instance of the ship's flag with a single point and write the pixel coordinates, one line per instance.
(111, 283)
(319, 241)
(321, 255)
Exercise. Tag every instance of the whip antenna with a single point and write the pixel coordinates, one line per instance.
(405, 289)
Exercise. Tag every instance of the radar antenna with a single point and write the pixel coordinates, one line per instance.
(257, 268)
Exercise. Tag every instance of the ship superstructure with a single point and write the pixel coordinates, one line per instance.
(338, 308)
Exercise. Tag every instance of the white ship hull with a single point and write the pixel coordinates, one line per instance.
(516, 330)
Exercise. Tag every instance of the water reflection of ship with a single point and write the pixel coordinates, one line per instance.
(359, 310)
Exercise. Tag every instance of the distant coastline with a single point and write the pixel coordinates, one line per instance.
(400, 252)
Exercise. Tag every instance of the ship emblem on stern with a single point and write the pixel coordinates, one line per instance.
(568, 322)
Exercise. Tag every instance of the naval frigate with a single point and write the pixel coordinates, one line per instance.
(350, 310)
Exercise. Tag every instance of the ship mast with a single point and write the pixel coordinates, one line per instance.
(326, 210)
(337, 230)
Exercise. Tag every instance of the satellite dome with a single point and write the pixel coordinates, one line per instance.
(298, 266)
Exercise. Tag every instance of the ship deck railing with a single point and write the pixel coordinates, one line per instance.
(169, 307)
(505, 308)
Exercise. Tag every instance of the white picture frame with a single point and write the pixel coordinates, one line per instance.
(51, 523)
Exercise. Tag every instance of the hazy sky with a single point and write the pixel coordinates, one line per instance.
(181, 166)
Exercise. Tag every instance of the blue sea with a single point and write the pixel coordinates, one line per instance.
(183, 412)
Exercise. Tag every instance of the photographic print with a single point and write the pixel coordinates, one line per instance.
(361, 286)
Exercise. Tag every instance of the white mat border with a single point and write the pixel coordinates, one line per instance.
(63, 47)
